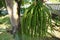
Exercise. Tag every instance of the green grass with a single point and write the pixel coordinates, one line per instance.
(4, 24)
(6, 36)
(4, 19)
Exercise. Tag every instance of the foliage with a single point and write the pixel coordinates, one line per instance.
(2, 3)
(36, 20)
(6, 36)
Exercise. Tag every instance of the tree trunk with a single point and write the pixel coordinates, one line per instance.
(13, 8)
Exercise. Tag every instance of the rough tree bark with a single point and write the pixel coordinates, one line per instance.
(13, 8)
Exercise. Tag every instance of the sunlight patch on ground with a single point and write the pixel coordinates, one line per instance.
(1, 32)
(3, 26)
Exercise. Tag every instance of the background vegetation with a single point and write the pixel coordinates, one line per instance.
(29, 23)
